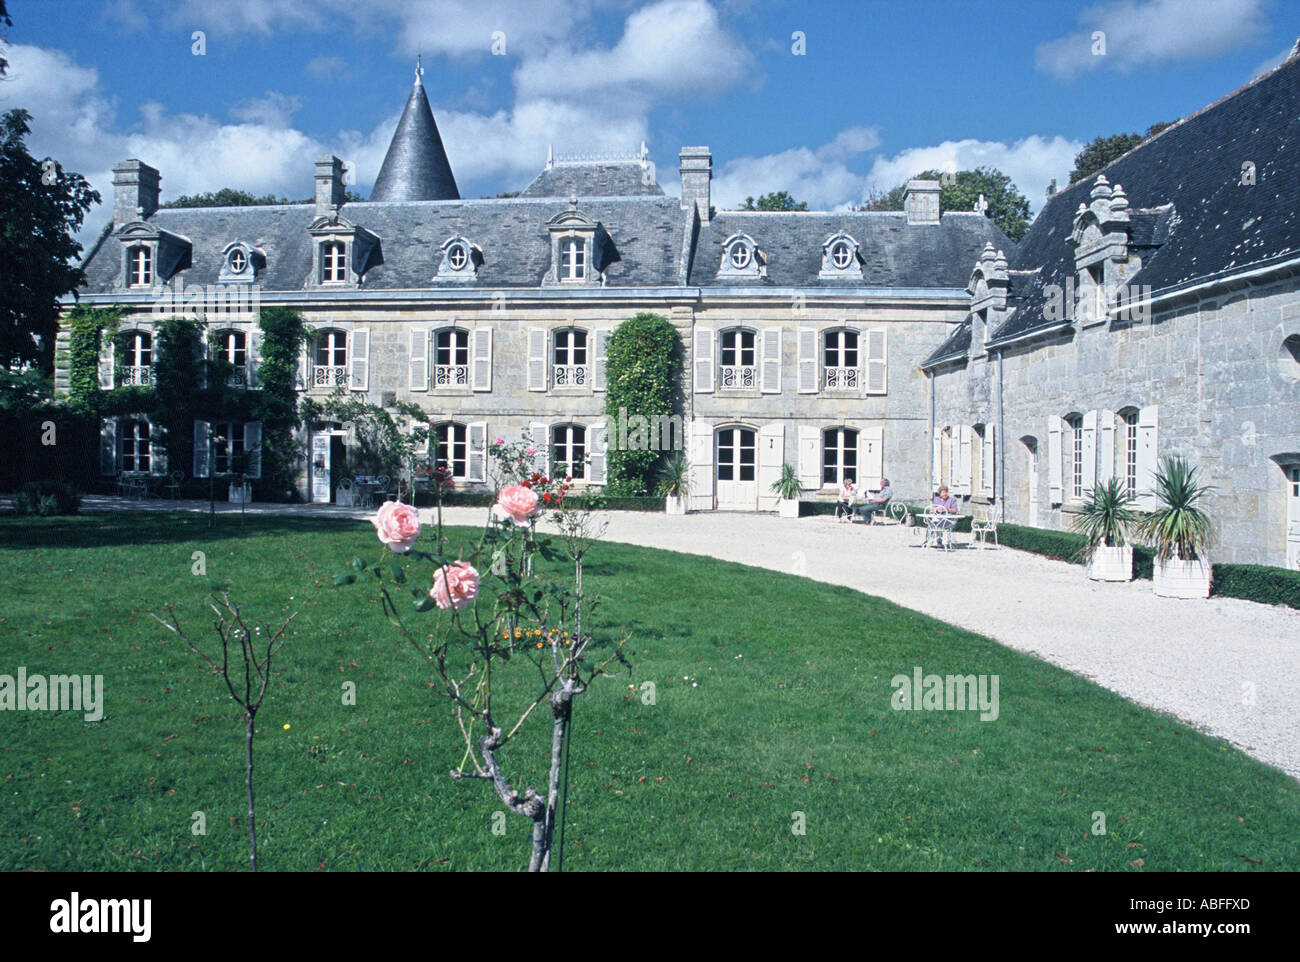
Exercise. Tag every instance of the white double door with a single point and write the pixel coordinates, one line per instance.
(736, 465)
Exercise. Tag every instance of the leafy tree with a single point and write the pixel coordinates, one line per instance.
(230, 197)
(1103, 150)
(779, 201)
(1007, 207)
(4, 21)
(42, 206)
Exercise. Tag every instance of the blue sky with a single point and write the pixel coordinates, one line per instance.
(881, 90)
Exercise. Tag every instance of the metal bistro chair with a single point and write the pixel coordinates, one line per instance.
(982, 529)
(174, 485)
(344, 493)
(381, 488)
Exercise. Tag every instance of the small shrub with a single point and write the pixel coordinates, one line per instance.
(47, 498)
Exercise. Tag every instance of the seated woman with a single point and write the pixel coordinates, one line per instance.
(844, 506)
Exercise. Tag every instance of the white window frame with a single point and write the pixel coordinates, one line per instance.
(451, 372)
(744, 376)
(333, 340)
(841, 376)
(840, 449)
(1074, 455)
(566, 439)
(139, 265)
(334, 262)
(443, 435)
(128, 431)
(567, 371)
(573, 259)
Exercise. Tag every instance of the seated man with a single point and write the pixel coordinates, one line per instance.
(844, 506)
(870, 506)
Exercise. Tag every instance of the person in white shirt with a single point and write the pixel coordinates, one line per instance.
(844, 506)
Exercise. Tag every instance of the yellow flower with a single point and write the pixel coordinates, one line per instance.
(286, 726)
(539, 644)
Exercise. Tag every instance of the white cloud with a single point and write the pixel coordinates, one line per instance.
(670, 49)
(325, 68)
(273, 109)
(820, 178)
(1139, 33)
(1031, 163)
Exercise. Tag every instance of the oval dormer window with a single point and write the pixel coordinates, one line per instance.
(740, 255)
(458, 257)
(238, 261)
(841, 256)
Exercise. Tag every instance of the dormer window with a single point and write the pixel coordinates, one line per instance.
(573, 263)
(581, 249)
(140, 261)
(343, 252)
(240, 263)
(742, 258)
(334, 262)
(840, 258)
(460, 260)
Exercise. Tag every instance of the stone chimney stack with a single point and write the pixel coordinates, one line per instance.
(697, 173)
(329, 185)
(921, 201)
(135, 191)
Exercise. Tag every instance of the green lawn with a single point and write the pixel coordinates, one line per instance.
(773, 697)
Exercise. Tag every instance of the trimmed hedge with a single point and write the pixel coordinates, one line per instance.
(1262, 583)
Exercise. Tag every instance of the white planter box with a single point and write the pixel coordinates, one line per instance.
(1111, 564)
(242, 495)
(674, 505)
(1177, 578)
(788, 508)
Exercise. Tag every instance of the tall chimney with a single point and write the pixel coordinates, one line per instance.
(921, 201)
(329, 185)
(697, 172)
(135, 191)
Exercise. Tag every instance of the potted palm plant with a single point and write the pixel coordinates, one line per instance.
(1105, 521)
(788, 488)
(1180, 531)
(675, 484)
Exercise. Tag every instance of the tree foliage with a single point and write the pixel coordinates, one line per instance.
(1102, 150)
(4, 21)
(42, 206)
(776, 201)
(642, 374)
(275, 405)
(1008, 208)
(231, 197)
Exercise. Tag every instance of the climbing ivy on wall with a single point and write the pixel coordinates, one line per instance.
(85, 329)
(642, 375)
(275, 405)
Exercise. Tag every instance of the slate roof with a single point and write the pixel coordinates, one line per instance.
(1193, 220)
(511, 233)
(613, 179)
(416, 165)
(893, 252)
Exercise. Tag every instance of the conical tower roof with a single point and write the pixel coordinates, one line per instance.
(416, 166)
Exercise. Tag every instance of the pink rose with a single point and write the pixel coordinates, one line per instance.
(397, 524)
(532, 450)
(500, 441)
(516, 503)
(454, 586)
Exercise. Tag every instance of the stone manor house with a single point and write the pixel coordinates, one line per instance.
(1152, 308)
